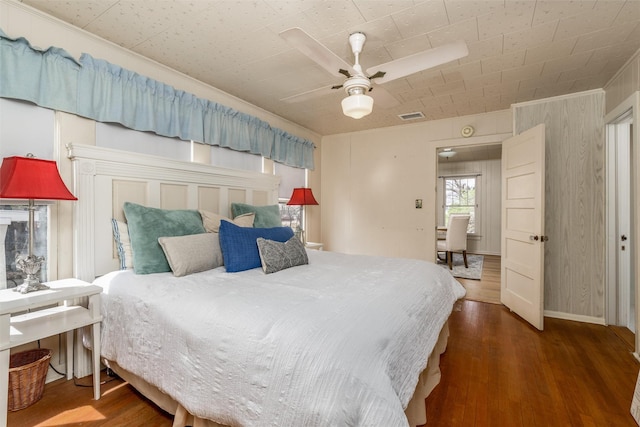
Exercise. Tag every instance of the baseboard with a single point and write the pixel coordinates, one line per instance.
(575, 317)
(53, 375)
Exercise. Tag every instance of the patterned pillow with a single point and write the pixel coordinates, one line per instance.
(123, 243)
(239, 247)
(276, 256)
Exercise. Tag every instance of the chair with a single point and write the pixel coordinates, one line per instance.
(456, 239)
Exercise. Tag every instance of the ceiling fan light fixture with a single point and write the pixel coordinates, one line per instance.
(357, 106)
(447, 153)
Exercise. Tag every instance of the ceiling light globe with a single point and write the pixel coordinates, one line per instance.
(447, 153)
(357, 106)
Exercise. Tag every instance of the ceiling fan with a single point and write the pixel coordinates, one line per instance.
(357, 83)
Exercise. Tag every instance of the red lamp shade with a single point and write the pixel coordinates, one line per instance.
(302, 196)
(31, 178)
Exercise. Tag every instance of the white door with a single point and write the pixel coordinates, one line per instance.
(621, 309)
(522, 271)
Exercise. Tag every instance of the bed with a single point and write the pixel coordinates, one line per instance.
(339, 340)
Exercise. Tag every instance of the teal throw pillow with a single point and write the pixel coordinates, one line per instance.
(147, 224)
(266, 216)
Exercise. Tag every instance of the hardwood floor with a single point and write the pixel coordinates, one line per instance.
(487, 289)
(497, 371)
(68, 405)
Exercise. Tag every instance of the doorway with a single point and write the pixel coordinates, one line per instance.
(620, 235)
(482, 164)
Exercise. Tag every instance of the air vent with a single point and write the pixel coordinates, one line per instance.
(411, 116)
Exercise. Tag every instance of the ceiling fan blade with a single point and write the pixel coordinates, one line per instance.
(382, 97)
(310, 94)
(315, 50)
(420, 61)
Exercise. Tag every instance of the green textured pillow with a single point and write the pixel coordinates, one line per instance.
(146, 225)
(266, 216)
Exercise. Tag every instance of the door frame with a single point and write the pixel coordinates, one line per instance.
(619, 266)
(473, 141)
(633, 103)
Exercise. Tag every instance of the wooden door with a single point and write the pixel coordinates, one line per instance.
(522, 270)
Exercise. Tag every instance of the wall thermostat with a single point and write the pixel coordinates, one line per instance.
(467, 131)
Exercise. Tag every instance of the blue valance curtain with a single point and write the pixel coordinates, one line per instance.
(105, 92)
(48, 78)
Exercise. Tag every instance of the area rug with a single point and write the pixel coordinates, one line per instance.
(474, 271)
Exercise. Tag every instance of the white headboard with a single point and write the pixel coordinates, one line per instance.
(103, 179)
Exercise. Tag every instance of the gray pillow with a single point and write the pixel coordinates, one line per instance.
(193, 253)
(266, 216)
(276, 256)
(146, 225)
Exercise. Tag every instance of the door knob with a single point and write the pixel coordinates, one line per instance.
(623, 238)
(535, 238)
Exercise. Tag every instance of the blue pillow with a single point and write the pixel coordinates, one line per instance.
(239, 244)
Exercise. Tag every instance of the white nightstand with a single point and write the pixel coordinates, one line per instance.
(312, 245)
(17, 329)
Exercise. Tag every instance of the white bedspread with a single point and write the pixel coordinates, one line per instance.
(338, 342)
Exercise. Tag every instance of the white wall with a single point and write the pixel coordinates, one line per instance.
(370, 181)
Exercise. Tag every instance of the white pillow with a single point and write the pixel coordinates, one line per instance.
(193, 253)
(211, 220)
(123, 243)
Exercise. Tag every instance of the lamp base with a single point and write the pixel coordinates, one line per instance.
(31, 267)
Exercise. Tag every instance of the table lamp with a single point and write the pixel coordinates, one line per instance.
(30, 178)
(302, 197)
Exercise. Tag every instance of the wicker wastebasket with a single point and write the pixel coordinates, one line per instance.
(27, 374)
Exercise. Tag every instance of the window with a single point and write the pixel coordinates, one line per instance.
(460, 198)
(290, 178)
(18, 137)
(14, 220)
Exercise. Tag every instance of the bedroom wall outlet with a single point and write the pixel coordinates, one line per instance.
(418, 203)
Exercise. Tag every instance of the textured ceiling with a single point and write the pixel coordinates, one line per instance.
(519, 50)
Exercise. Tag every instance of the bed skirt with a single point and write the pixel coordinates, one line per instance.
(416, 410)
